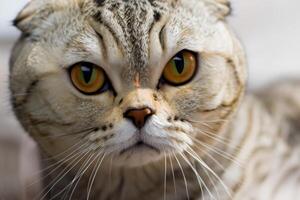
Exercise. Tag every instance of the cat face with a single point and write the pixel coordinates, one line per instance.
(135, 80)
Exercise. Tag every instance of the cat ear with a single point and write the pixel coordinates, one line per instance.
(29, 16)
(220, 8)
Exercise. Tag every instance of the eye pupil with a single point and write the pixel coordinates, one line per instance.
(180, 69)
(179, 62)
(88, 78)
(87, 73)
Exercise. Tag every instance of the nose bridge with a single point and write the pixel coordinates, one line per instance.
(139, 98)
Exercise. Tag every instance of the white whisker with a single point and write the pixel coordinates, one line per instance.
(57, 165)
(197, 158)
(94, 176)
(61, 176)
(199, 179)
(184, 178)
(76, 175)
(219, 152)
(165, 177)
(173, 174)
(81, 173)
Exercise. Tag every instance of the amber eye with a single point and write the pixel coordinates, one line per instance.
(88, 78)
(181, 68)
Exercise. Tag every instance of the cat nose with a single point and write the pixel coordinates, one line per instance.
(139, 116)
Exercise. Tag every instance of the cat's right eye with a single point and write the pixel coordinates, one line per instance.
(88, 78)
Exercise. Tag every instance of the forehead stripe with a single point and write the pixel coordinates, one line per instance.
(97, 17)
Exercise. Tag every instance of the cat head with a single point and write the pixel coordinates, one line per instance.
(136, 80)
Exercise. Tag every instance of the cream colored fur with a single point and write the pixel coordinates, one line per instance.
(213, 142)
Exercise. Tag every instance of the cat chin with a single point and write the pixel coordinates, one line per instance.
(137, 157)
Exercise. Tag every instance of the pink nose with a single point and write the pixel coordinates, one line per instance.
(138, 116)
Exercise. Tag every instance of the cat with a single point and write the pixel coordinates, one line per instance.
(145, 99)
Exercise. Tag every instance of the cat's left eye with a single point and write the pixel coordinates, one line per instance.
(88, 78)
(181, 68)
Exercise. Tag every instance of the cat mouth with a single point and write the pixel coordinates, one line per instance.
(139, 146)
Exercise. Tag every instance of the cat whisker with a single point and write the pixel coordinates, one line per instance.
(173, 174)
(57, 156)
(210, 178)
(207, 121)
(226, 141)
(214, 149)
(165, 177)
(93, 176)
(200, 161)
(58, 162)
(218, 152)
(57, 165)
(218, 139)
(93, 172)
(82, 134)
(70, 184)
(219, 165)
(184, 178)
(77, 175)
(211, 181)
(81, 173)
(45, 191)
(212, 158)
(215, 136)
(199, 179)
(60, 176)
(56, 180)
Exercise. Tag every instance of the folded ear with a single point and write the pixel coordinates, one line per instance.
(220, 8)
(29, 17)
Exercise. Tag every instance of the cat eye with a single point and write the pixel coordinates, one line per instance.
(181, 68)
(88, 78)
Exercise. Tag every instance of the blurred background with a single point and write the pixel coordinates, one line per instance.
(269, 30)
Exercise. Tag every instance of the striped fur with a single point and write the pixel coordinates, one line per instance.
(213, 142)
